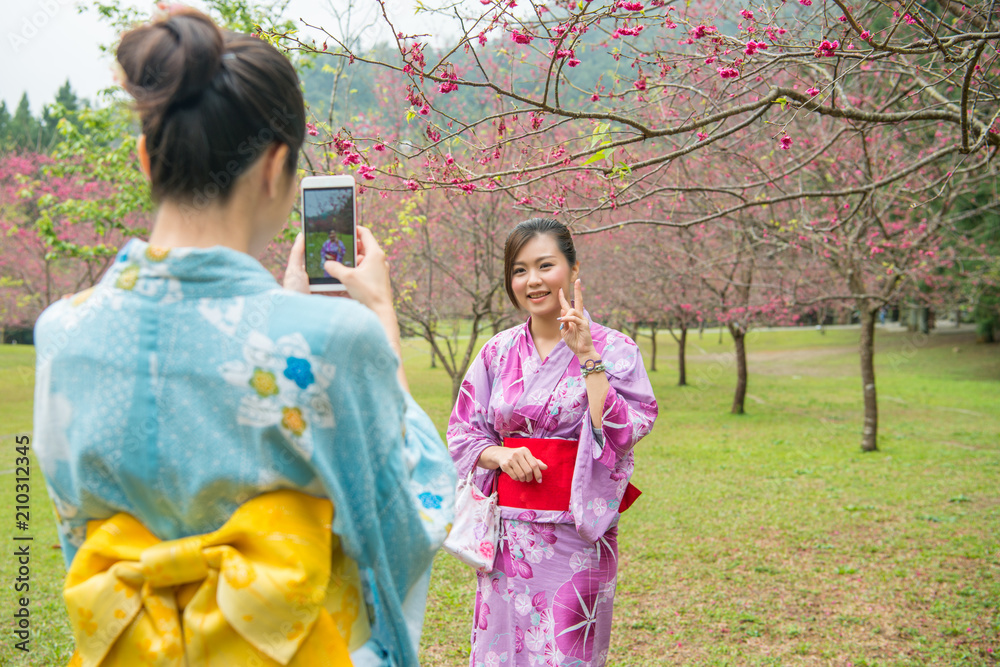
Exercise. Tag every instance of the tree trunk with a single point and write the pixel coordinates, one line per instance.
(460, 366)
(741, 369)
(48, 284)
(652, 337)
(681, 352)
(456, 386)
(866, 344)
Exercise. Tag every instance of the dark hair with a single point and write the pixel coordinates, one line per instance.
(210, 102)
(524, 232)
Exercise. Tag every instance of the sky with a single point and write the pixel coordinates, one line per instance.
(45, 42)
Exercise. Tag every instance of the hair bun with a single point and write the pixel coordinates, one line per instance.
(207, 117)
(170, 62)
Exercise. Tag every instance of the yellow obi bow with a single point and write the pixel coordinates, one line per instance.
(271, 587)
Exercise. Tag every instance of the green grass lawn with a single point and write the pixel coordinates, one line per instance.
(763, 539)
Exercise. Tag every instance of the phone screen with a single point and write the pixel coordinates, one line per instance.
(329, 230)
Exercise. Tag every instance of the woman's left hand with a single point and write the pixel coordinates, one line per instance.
(295, 272)
(575, 327)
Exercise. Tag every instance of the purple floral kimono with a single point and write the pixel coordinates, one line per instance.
(550, 597)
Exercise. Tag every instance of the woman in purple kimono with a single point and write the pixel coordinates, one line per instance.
(550, 411)
(333, 249)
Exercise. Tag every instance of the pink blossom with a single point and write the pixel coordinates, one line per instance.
(701, 31)
(827, 49)
(728, 72)
(467, 187)
(640, 84)
(630, 6)
(311, 129)
(627, 30)
(412, 185)
(812, 91)
(805, 2)
(865, 34)
(785, 143)
(572, 62)
(351, 158)
(379, 147)
(753, 47)
(595, 97)
(521, 38)
(702, 136)
(367, 172)
(747, 14)
(448, 85)
(448, 159)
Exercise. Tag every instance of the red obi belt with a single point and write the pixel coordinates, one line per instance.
(557, 481)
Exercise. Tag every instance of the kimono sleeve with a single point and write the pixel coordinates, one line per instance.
(53, 411)
(630, 407)
(389, 474)
(603, 469)
(469, 429)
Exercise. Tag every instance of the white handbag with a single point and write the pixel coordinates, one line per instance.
(475, 531)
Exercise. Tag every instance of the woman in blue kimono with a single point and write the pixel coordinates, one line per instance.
(239, 472)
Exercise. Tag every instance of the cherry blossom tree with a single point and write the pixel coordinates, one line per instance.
(47, 252)
(681, 78)
(592, 110)
(446, 258)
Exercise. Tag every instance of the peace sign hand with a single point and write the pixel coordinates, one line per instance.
(575, 327)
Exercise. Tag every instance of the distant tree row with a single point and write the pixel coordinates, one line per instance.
(21, 131)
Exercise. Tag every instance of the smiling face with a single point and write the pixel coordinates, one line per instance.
(539, 270)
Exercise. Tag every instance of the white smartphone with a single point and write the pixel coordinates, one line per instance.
(329, 223)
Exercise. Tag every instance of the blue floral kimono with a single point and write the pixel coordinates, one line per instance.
(188, 382)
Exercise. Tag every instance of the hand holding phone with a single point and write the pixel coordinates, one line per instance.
(368, 283)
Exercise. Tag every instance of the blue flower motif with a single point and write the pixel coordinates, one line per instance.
(299, 371)
(430, 500)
